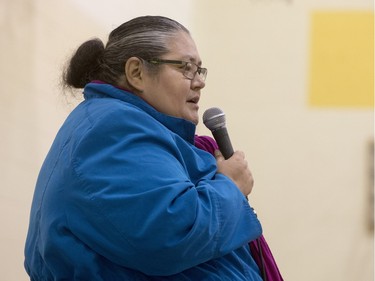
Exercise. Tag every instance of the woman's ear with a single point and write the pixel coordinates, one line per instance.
(134, 72)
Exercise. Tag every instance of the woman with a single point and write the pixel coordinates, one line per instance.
(123, 193)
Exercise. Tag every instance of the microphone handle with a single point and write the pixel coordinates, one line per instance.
(223, 141)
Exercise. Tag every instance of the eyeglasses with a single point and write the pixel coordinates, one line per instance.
(189, 68)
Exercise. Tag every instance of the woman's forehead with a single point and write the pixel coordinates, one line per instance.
(183, 46)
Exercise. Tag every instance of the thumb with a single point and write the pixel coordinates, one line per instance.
(219, 156)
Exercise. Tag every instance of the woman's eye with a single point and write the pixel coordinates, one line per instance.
(189, 67)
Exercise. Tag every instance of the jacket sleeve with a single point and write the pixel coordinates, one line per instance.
(133, 202)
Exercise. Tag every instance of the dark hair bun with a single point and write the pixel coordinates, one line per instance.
(84, 64)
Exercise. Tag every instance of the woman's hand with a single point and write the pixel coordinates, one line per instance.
(236, 168)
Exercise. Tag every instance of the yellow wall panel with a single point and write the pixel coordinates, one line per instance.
(342, 59)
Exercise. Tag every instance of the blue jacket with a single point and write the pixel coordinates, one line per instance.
(124, 194)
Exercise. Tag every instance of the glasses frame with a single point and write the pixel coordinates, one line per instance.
(200, 70)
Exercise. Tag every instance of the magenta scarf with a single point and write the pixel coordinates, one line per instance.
(259, 248)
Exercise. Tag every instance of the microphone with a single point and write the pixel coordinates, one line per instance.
(214, 119)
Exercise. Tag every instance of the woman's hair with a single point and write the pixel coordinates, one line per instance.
(144, 37)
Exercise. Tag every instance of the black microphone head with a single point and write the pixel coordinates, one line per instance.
(214, 118)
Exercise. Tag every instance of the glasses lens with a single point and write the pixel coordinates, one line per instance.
(190, 70)
(203, 73)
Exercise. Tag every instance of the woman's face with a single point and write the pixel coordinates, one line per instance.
(170, 92)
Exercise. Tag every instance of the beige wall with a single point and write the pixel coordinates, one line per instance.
(309, 164)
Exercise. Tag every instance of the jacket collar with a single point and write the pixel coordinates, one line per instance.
(184, 128)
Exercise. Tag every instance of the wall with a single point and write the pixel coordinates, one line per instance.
(309, 163)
